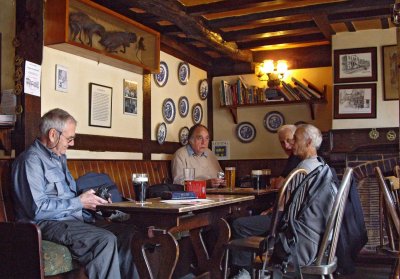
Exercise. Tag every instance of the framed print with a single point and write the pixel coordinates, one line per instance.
(390, 72)
(197, 113)
(355, 101)
(203, 89)
(183, 106)
(246, 132)
(355, 65)
(162, 77)
(161, 133)
(183, 73)
(184, 135)
(130, 97)
(61, 78)
(100, 105)
(273, 120)
(168, 110)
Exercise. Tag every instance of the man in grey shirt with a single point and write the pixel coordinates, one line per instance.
(45, 193)
(306, 141)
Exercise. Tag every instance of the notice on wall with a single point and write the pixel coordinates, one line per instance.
(8, 102)
(221, 149)
(32, 78)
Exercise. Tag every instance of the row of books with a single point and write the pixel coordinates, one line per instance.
(239, 93)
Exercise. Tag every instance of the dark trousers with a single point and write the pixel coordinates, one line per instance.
(104, 248)
(248, 226)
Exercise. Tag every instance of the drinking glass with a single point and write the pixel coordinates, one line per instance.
(230, 176)
(188, 175)
(140, 185)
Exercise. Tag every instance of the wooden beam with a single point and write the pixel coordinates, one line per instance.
(223, 6)
(321, 20)
(385, 23)
(192, 27)
(350, 26)
(316, 37)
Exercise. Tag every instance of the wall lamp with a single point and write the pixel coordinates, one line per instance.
(266, 71)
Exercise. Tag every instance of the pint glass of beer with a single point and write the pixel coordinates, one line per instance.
(230, 175)
(140, 183)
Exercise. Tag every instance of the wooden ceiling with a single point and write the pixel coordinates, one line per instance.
(224, 36)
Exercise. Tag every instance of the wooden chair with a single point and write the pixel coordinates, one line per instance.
(390, 220)
(255, 244)
(326, 262)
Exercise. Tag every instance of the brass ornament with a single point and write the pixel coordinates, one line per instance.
(19, 109)
(391, 135)
(373, 134)
(18, 60)
(18, 88)
(18, 74)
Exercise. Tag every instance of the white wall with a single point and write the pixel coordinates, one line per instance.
(83, 71)
(387, 114)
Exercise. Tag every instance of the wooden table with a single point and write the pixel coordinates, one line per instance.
(158, 221)
(264, 198)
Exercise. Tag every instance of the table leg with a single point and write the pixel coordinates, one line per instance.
(162, 240)
(211, 263)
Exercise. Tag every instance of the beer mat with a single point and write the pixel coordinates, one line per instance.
(191, 201)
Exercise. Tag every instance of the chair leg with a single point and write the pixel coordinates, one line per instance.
(226, 263)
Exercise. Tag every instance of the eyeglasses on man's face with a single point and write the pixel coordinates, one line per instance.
(69, 139)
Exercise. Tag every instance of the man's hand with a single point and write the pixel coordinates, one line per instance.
(216, 182)
(277, 182)
(89, 200)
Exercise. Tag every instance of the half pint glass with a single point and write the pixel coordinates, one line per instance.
(230, 177)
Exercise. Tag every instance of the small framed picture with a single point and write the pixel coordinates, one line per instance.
(100, 105)
(355, 101)
(130, 97)
(61, 78)
(355, 65)
(390, 73)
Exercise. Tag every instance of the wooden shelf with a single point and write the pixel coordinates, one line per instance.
(233, 109)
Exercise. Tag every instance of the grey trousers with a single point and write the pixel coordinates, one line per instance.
(104, 248)
(248, 226)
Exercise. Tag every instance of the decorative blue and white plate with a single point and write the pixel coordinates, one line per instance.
(161, 133)
(203, 89)
(183, 72)
(162, 77)
(197, 113)
(184, 135)
(245, 132)
(183, 106)
(168, 110)
(273, 120)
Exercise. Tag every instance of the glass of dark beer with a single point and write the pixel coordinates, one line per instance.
(140, 183)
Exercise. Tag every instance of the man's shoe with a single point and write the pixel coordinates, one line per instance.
(243, 274)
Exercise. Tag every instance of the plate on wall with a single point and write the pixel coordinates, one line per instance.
(183, 106)
(246, 132)
(203, 89)
(161, 133)
(183, 72)
(184, 135)
(168, 110)
(162, 77)
(273, 120)
(197, 113)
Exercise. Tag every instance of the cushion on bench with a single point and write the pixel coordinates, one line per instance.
(57, 258)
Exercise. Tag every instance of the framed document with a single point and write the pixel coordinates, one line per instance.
(100, 105)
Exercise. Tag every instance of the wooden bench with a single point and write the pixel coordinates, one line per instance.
(21, 254)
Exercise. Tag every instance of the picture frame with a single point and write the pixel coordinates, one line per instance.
(61, 78)
(162, 77)
(130, 97)
(245, 132)
(100, 105)
(390, 73)
(355, 65)
(352, 101)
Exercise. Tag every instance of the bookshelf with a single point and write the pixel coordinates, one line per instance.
(238, 95)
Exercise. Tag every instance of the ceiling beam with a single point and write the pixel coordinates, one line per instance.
(360, 15)
(316, 37)
(192, 27)
(223, 6)
(350, 26)
(321, 20)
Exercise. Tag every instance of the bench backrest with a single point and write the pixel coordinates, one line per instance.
(120, 171)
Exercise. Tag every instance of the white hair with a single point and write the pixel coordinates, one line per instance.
(288, 127)
(313, 133)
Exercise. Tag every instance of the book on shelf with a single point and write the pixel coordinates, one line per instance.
(289, 88)
(314, 93)
(315, 88)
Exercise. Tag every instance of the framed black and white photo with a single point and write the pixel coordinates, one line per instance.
(183, 106)
(61, 78)
(355, 65)
(184, 135)
(355, 101)
(168, 110)
(162, 77)
(390, 73)
(273, 120)
(100, 105)
(245, 132)
(130, 97)
(197, 113)
(183, 73)
(161, 133)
